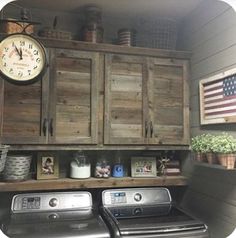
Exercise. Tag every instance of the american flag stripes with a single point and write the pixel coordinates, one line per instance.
(218, 99)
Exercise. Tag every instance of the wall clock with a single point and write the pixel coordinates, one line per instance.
(22, 58)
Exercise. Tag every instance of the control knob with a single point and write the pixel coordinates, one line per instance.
(137, 211)
(137, 197)
(53, 202)
(53, 216)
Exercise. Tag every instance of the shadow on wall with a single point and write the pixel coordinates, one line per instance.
(211, 197)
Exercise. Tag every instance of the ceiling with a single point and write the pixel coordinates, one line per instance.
(168, 8)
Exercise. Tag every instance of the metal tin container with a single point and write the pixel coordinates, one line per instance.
(127, 37)
(17, 167)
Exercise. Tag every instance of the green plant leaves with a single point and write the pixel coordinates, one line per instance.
(223, 143)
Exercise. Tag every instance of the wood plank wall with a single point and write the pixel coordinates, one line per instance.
(210, 33)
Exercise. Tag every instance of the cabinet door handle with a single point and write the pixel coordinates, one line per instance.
(146, 129)
(51, 127)
(44, 126)
(151, 129)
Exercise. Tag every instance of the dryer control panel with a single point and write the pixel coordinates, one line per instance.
(135, 196)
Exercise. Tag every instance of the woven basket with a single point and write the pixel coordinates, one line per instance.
(3, 156)
(17, 167)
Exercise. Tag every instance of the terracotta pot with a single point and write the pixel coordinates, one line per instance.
(227, 160)
(198, 156)
(211, 158)
(222, 159)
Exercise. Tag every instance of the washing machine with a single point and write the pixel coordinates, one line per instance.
(54, 215)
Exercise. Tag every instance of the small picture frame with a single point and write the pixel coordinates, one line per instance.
(143, 167)
(47, 165)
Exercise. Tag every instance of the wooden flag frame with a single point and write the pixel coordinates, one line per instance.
(230, 118)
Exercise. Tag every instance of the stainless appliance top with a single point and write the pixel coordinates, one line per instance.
(59, 215)
(147, 212)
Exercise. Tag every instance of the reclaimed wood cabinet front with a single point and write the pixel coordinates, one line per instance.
(59, 109)
(146, 100)
(144, 97)
(73, 100)
(125, 93)
(22, 108)
(168, 101)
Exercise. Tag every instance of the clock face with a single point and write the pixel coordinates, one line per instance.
(22, 58)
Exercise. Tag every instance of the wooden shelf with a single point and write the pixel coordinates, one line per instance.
(97, 147)
(67, 183)
(109, 48)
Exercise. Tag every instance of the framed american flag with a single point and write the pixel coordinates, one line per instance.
(218, 98)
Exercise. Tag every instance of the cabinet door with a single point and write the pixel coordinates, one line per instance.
(22, 113)
(168, 101)
(73, 97)
(125, 91)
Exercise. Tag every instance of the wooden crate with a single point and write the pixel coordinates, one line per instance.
(13, 26)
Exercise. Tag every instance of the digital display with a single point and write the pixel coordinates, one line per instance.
(119, 194)
(31, 203)
(31, 199)
(119, 197)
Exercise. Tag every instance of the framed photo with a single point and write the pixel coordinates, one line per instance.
(217, 95)
(47, 166)
(143, 167)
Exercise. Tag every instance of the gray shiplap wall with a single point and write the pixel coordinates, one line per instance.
(210, 33)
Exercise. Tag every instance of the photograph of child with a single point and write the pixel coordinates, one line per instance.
(47, 165)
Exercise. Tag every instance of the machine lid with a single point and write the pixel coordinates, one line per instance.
(153, 220)
(80, 227)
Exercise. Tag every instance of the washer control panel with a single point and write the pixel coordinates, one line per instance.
(59, 201)
(118, 198)
(31, 203)
(135, 196)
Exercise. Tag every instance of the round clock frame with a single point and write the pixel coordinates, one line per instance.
(23, 59)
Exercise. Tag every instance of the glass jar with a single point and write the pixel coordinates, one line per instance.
(102, 169)
(80, 166)
(118, 167)
(93, 33)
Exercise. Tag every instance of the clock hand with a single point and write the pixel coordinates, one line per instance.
(19, 52)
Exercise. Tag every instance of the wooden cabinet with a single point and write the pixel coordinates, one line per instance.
(100, 94)
(146, 100)
(125, 96)
(21, 112)
(168, 101)
(59, 109)
(73, 97)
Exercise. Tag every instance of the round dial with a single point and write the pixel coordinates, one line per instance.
(53, 202)
(23, 58)
(137, 197)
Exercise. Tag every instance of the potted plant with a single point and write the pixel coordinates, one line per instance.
(202, 146)
(196, 146)
(225, 147)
